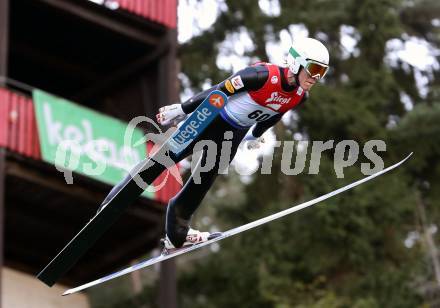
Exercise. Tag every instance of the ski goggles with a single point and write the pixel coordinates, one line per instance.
(315, 69)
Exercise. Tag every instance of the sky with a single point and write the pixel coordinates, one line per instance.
(200, 15)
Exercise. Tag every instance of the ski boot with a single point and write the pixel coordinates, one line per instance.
(193, 237)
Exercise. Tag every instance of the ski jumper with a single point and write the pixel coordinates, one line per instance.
(258, 95)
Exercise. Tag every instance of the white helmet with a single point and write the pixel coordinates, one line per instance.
(311, 54)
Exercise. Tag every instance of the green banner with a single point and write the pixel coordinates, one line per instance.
(78, 139)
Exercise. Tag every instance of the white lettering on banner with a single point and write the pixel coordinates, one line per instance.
(73, 133)
(84, 143)
(53, 128)
(88, 129)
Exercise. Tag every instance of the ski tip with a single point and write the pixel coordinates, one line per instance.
(71, 291)
(400, 162)
(407, 157)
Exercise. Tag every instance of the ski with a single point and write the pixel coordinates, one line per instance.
(192, 127)
(233, 231)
